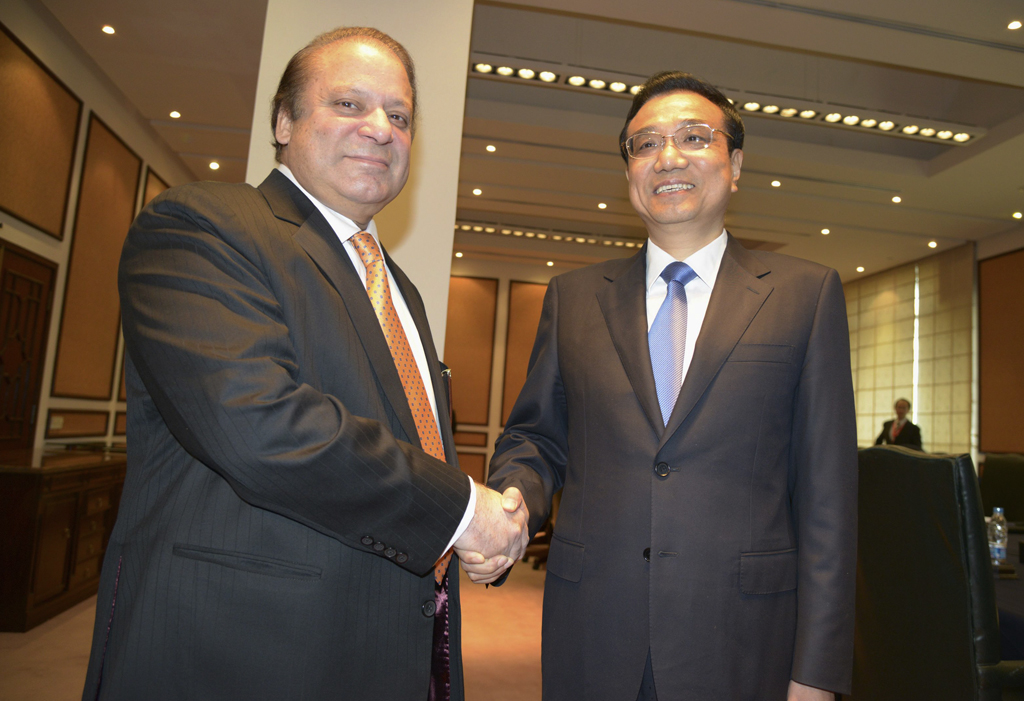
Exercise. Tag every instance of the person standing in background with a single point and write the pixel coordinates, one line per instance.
(900, 431)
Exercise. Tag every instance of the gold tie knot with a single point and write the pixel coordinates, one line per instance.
(367, 248)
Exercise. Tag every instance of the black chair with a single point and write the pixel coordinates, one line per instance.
(1002, 484)
(926, 620)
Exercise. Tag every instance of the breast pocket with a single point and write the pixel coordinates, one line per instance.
(761, 353)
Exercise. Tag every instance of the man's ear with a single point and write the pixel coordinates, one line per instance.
(283, 130)
(736, 159)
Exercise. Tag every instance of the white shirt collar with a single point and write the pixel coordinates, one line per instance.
(344, 227)
(704, 262)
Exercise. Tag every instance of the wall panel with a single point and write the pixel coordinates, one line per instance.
(90, 323)
(1000, 344)
(525, 302)
(38, 130)
(67, 423)
(469, 346)
(473, 464)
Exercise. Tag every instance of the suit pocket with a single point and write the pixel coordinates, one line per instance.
(246, 562)
(761, 353)
(565, 559)
(768, 573)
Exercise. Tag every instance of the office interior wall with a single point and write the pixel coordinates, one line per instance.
(1000, 342)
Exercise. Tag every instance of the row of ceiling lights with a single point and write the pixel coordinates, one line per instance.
(576, 81)
(853, 120)
(562, 236)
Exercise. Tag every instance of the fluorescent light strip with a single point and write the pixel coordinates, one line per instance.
(544, 234)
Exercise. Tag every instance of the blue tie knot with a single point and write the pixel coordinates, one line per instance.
(678, 272)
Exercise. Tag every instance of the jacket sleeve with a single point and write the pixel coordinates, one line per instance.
(824, 454)
(532, 451)
(211, 344)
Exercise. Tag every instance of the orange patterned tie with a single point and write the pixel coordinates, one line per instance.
(380, 297)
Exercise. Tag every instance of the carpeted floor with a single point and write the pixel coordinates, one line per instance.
(501, 646)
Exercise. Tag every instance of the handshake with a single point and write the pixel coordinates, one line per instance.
(497, 535)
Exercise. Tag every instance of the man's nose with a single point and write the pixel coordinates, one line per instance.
(377, 126)
(671, 157)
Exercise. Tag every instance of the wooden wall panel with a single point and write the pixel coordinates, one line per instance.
(472, 438)
(469, 346)
(1000, 341)
(524, 307)
(120, 423)
(473, 464)
(73, 424)
(87, 344)
(38, 130)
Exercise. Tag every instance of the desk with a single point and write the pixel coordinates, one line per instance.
(1010, 600)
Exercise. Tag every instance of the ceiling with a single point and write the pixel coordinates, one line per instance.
(950, 64)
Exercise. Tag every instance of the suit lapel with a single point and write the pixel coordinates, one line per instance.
(738, 295)
(624, 305)
(321, 243)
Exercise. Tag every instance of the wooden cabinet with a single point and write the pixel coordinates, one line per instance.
(55, 521)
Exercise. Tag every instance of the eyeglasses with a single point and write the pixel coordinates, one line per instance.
(693, 137)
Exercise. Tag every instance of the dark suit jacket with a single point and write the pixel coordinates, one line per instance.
(725, 542)
(910, 436)
(279, 524)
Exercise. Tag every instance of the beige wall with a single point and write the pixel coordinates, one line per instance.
(417, 228)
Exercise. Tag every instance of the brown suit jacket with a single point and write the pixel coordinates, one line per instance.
(723, 543)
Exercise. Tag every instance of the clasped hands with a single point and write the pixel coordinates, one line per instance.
(497, 535)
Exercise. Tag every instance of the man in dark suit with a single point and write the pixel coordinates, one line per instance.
(292, 487)
(694, 402)
(900, 431)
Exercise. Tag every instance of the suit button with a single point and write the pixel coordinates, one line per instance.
(401, 557)
(647, 554)
(390, 552)
(366, 540)
(662, 469)
(378, 546)
(428, 608)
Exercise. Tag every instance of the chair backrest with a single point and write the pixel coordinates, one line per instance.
(926, 614)
(1002, 484)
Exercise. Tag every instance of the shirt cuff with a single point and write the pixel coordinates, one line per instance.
(466, 517)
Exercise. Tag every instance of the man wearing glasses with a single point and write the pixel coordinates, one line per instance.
(696, 405)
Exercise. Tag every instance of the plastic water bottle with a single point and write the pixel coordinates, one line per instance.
(997, 536)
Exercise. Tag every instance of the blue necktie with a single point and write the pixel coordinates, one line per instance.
(667, 337)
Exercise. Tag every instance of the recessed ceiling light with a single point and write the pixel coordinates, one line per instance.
(911, 129)
(630, 244)
(107, 29)
(214, 165)
(933, 244)
(776, 183)
(491, 148)
(860, 268)
(489, 229)
(591, 240)
(945, 134)
(833, 117)
(1018, 215)
(466, 227)
(483, 68)
(869, 123)
(527, 73)
(556, 237)
(635, 89)
(826, 232)
(851, 120)
(1015, 24)
(458, 254)
(542, 236)
(789, 112)
(517, 233)
(550, 263)
(731, 101)
(897, 199)
(175, 114)
(617, 86)
(580, 239)
(752, 106)
(477, 191)
(597, 84)
(619, 243)
(548, 76)
(961, 137)
(505, 70)
(530, 234)
(478, 229)
(606, 242)
(770, 109)
(887, 125)
(602, 205)
(808, 114)
(577, 80)
(506, 232)
(927, 131)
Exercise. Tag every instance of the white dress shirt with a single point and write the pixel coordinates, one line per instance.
(345, 228)
(705, 263)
